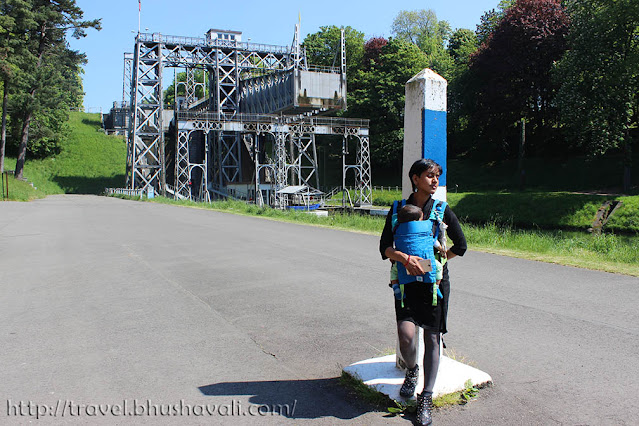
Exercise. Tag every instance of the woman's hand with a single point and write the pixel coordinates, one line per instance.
(411, 263)
(413, 266)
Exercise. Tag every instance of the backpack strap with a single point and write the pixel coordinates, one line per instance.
(396, 203)
(437, 212)
(437, 215)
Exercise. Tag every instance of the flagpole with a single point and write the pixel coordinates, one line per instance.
(139, 11)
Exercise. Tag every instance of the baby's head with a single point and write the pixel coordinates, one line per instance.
(408, 213)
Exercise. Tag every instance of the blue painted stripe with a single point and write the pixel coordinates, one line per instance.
(434, 139)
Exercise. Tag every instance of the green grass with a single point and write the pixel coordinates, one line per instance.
(18, 190)
(607, 252)
(88, 162)
(548, 210)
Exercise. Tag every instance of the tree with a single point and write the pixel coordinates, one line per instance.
(14, 20)
(422, 28)
(599, 77)
(380, 94)
(490, 20)
(373, 50)
(44, 51)
(462, 44)
(512, 70)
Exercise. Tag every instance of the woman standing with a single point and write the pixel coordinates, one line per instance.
(417, 308)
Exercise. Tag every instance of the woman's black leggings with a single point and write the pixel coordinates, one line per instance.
(432, 341)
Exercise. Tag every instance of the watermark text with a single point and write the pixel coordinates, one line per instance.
(135, 407)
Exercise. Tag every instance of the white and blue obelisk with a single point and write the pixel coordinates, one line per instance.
(425, 126)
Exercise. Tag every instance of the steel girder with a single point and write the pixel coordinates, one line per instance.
(227, 155)
(228, 63)
(191, 85)
(365, 189)
(361, 169)
(268, 93)
(146, 140)
(302, 169)
(126, 78)
(225, 62)
(187, 182)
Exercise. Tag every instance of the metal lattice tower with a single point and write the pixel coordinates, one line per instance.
(259, 96)
(126, 80)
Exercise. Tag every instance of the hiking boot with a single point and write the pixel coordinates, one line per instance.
(410, 382)
(424, 410)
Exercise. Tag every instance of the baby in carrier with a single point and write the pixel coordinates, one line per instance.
(411, 213)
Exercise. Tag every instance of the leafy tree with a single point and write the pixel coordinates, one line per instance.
(512, 73)
(43, 57)
(461, 45)
(490, 20)
(461, 87)
(380, 94)
(421, 27)
(599, 76)
(373, 50)
(14, 20)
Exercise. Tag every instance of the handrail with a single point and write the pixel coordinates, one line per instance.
(201, 41)
(272, 118)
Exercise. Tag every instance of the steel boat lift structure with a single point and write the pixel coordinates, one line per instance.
(253, 134)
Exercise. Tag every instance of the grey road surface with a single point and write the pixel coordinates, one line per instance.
(109, 305)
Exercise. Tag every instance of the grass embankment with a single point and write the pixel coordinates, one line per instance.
(611, 253)
(88, 162)
(545, 210)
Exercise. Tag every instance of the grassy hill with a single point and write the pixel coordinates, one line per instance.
(88, 162)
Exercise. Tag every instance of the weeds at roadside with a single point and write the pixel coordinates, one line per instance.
(396, 408)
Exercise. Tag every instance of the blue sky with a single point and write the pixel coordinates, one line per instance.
(269, 22)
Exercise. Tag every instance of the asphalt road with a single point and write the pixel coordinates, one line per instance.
(104, 301)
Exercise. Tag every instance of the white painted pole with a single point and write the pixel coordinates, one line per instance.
(424, 137)
(425, 126)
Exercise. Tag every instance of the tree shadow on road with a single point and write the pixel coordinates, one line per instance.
(311, 399)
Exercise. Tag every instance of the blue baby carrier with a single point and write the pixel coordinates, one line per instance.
(417, 238)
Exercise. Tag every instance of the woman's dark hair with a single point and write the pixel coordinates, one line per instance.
(421, 166)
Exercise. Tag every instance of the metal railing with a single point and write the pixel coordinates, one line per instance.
(216, 116)
(323, 68)
(124, 191)
(202, 41)
(272, 118)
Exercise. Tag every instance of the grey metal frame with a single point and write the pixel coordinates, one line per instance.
(223, 124)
